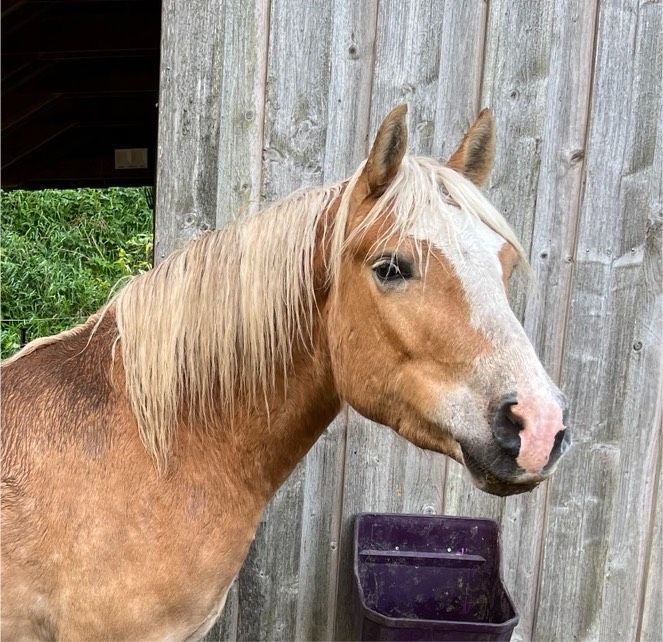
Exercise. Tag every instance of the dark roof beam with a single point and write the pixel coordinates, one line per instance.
(85, 34)
(17, 108)
(100, 77)
(10, 6)
(14, 151)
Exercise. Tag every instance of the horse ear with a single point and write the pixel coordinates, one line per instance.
(387, 151)
(476, 152)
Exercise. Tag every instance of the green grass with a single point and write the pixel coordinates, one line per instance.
(63, 251)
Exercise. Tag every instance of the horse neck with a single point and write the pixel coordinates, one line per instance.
(260, 445)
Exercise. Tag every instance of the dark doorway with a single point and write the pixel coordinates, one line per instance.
(80, 85)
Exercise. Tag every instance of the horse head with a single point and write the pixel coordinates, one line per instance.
(422, 335)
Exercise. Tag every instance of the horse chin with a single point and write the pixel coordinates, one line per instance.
(502, 488)
(489, 483)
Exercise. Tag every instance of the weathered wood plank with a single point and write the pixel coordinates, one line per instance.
(652, 588)
(353, 42)
(294, 137)
(637, 287)
(323, 489)
(211, 97)
(188, 122)
(296, 100)
(407, 59)
(241, 104)
(559, 181)
(596, 555)
(651, 593)
(268, 581)
(459, 75)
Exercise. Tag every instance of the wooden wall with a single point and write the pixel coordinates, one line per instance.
(259, 98)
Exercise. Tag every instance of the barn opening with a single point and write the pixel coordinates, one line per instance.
(80, 88)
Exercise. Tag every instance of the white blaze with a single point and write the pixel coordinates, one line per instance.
(473, 248)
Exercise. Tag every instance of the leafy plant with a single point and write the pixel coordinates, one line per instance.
(63, 251)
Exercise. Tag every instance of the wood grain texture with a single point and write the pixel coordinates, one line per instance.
(637, 288)
(241, 104)
(190, 87)
(599, 513)
(210, 130)
(352, 61)
(651, 589)
(407, 59)
(323, 488)
(651, 616)
(296, 98)
(459, 77)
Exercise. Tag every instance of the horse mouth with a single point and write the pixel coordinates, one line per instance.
(492, 484)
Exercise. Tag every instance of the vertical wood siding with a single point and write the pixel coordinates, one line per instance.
(260, 97)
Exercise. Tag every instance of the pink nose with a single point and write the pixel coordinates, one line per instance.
(531, 429)
(543, 436)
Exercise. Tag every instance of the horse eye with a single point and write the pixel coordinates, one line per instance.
(392, 269)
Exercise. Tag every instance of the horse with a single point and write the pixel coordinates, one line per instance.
(140, 448)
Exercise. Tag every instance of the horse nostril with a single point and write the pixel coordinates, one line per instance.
(562, 443)
(507, 426)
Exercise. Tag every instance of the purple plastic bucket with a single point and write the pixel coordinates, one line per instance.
(433, 578)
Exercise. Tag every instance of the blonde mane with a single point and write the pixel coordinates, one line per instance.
(221, 317)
